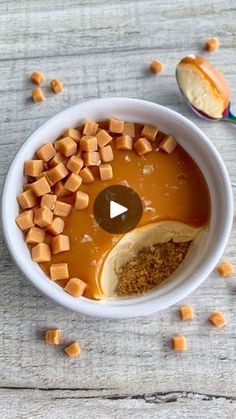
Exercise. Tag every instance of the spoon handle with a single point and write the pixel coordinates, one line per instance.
(229, 117)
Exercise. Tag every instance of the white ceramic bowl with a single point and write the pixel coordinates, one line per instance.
(194, 142)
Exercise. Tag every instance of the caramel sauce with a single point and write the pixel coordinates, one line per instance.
(171, 187)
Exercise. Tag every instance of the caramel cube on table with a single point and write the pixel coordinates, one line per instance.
(125, 142)
(27, 199)
(37, 95)
(73, 182)
(33, 167)
(56, 86)
(25, 220)
(86, 175)
(35, 235)
(56, 227)
(41, 253)
(225, 269)
(168, 144)
(92, 158)
(186, 312)
(41, 186)
(90, 128)
(106, 172)
(58, 158)
(73, 133)
(212, 44)
(60, 243)
(53, 336)
(37, 77)
(116, 126)
(88, 143)
(81, 200)
(46, 152)
(48, 201)
(75, 164)
(149, 132)
(179, 343)
(57, 173)
(142, 146)
(73, 349)
(43, 216)
(59, 271)
(217, 319)
(67, 146)
(156, 67)
(106, 154)
(62, 209)
(60, 190)
(75, 287)
(103, 138)
(129, 129)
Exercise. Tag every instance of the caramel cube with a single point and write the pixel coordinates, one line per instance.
(59, 271)
(90, 128)
(60, 190)
(48, 201)
(106, 172)
(75, 164)
(73, 182)
(129, 129)
(25, 220)
(142, 146)
(46, 152)
(212, 44)
(103, 138)
(43, 216)
(27, 199)
(56, 86)
(168, 144)
(81, 200)
(217, 319)
(44, 174)
(92, 158)
(58, 158)
(149, 132)
(116, 126)
(60, 243)
(41, 186)
(35, 235)
(67, 146)
(56, 227)
(75, 287)
(73, 349)
(33, 167)
(73, 133)
(41, 253)
(179, 343)
(124, 143)
(62, 209)
(37, 95)
(106, 154)
(37, 77)
(53, 336)
(57, 173)
(88, 143)
(186, 312)
(87, 176)
(157, 67)
(225, 269)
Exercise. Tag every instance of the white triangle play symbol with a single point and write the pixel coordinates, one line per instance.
(116, 209)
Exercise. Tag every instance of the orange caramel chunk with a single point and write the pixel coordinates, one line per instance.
(53, 336)
(37, 95)
(157, 67)
(186, 312)
(217, 319)
(59, 271)
(41, 253)
(56, 86)
(212, 44)
(179, 343)
(225, 269)
(75, 287)
(37, 77)
(73, 349)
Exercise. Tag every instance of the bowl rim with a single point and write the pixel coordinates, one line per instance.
(102, 308)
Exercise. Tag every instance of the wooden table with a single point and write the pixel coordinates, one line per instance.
(102, 48)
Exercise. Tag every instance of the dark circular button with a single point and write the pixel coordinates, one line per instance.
(117, 209)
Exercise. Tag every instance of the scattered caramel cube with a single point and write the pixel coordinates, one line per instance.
(73, 349)
(56, 86)
(124, 143)
(60, 243)
(57, 173)
(129, 129)
(53, 336)
(186, 312)
(41, 253)
(81, 200)
(75, 287)
(25, 220)
(73, 133)
(106, 154)
(33, 167)
(73, 182)
(35, 235)
(46, 152)
(37, 77)
(92, 158)
(41, 186)
(90, 128)
(75, 164)
(156, 67)
(212, 44)
(67, 146)
(62, 209)
(149, 132)
(217, 319)
(43, 216)
(168, 144)
(60, 190)
(106, 172)
(179, 343)
(58, 158)
(88, 143)
(116, 126)
(142, 146)
(225, 269)
(37, 95)
(56, 227)
(87, 176)
(59, 271)
(27, 199)
(103, 138)
(48, 201)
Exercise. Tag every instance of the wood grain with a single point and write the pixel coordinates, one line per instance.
(126, 370)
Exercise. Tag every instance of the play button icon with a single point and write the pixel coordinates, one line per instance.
(117, 209)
